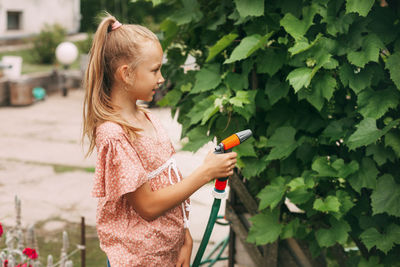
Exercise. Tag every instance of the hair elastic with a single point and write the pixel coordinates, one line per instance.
(116, 25)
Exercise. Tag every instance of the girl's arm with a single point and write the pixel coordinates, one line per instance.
(186, 251)
(151, 204)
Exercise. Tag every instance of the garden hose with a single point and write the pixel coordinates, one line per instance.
(219, 190)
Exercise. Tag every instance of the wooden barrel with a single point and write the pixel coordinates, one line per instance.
(21, 92)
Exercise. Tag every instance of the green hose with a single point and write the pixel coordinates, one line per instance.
(208, 231)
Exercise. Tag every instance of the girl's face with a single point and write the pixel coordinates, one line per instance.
(147, 75)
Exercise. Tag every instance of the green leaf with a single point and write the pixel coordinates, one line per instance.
(270, 61)
(335, 130)
(383, 241)
(208, 113)
(393, 65)
(247, 111)
(323, 87)
(386, 196)
(344, 170)
(222, 43)
(357, 80)
(392, 139)
(374, 104)
(170, 29)
(283, 143)
(367, 133)
(202, 109)
(246, 149)
(236, 81)
(276, 90)
(338, 23)
(323, 168)
(272, 194)
(299, 78)
(366, 175)
(253, 8)
(266, 227)
(380, 154)
(197, 138)
(247, 46)
(171, 98)
(302, 45)
(242, 97)
(346, 203)
(361, 7)
(190, 12)
(330, 204)
(290, 229)
(370, 49)
(372, 261)
(300, 195)
(298, 28)
(253, 166)
(337, 233)
(207, 78)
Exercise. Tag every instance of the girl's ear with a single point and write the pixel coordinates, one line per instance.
(123, 74)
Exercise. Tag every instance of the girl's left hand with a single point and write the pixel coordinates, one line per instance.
(186, 251)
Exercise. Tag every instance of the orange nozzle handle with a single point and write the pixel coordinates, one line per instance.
(231, 141)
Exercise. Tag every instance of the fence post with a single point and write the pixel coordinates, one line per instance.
(83, 242)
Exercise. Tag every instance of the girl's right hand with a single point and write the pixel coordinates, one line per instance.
(219, 165)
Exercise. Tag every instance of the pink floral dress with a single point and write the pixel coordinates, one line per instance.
(122, 167)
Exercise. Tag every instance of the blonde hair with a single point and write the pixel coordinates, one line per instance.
(110, 49)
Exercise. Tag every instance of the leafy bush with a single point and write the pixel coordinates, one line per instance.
(318, 83)
(85, 45)
(45, 43)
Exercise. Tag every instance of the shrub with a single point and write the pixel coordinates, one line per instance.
(318, 83)
(44, 44)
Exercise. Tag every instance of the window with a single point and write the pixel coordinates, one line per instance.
(14, 20)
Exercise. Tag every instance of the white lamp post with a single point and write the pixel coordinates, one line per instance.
(66, 54)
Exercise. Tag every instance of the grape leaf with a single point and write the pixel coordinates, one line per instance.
(361, 7)
(222, 43)
(370, 49)
(383, 241)
(386, 196)
(374, 104)
(253, 8)
(283, 143)
(272, 194)
(366, 175)
(330, 203)
(337, 233)
(266, 227)
(393, 65)
(367, 133)
(299, 78)
(207, 78)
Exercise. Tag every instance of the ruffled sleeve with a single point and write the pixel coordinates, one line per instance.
(118, 170)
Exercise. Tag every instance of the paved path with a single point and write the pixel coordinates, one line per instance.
(42, 161)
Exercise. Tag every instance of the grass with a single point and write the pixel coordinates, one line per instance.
(30, 65)
(50, 243)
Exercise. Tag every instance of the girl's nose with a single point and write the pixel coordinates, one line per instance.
(161, 80)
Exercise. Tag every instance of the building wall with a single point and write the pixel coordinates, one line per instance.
(36, 13)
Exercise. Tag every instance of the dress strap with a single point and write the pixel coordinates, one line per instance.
(171, 165)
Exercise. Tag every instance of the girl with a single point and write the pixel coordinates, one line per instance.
(142, 206)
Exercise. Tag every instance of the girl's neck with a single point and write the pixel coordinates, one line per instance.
(124, 101)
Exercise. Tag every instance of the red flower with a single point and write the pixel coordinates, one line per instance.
(5, 263)
(31, 253)
(1, 230)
